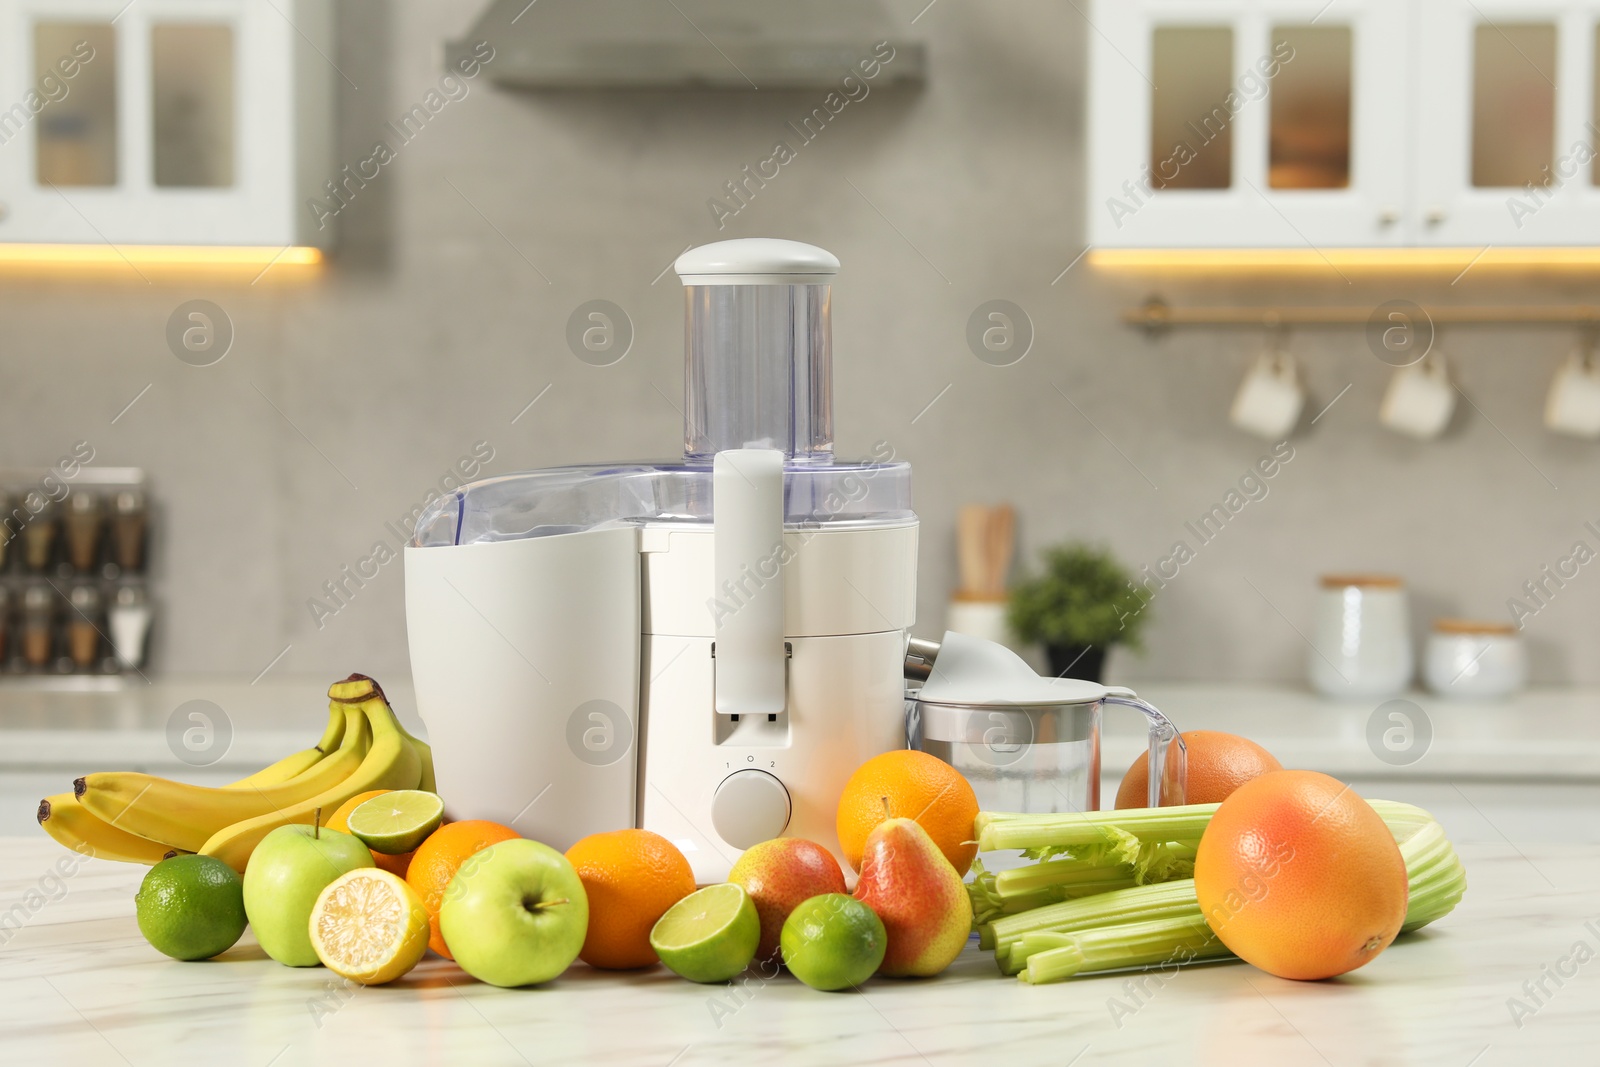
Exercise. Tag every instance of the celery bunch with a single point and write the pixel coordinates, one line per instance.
(1115, 889)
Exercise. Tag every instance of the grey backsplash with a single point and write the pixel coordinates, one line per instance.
(345, 398)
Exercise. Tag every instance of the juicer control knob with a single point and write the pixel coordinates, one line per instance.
(750, 807)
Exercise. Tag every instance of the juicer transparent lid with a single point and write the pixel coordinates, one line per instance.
(565, 500)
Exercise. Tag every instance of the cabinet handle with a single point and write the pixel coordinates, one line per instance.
(1436, 215)
(1389, 216)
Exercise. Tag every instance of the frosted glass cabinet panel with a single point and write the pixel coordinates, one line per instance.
(1511, 164)
(1514, 75)
(75, 138)
(173, 122)
(1190, 147)
(192, 104)
(1421, 123)
(1309, 142)
(1228, 123)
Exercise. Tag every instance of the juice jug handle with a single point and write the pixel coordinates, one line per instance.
(1169, 759)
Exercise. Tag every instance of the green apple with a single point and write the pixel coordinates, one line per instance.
(286, 872)
(515, 914)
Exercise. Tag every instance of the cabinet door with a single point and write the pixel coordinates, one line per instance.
(1507, 136)
(160, 122)
(1247, 123)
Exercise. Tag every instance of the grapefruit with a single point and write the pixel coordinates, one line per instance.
(1297, 875)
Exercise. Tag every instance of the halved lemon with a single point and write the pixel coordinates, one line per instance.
(369, 926)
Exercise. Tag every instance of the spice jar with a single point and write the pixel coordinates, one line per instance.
(39, 539)
(85, 519)
(7, 530)
(130, 625)
(128, 530)
(83, 626)
(38, 625)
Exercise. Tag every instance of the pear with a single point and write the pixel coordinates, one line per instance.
(925, 908)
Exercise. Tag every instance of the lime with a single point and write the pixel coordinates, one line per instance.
(396, 822)
(710, 935)
(833, 942)
(191, 907)
(369, 926)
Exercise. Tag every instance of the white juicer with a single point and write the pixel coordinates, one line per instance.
(705, 648)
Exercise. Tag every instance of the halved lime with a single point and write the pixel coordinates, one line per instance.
(397, 822)
(710, 935)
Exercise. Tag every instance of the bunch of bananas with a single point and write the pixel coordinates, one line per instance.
(140, 818)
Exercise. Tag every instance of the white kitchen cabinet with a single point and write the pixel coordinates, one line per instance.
(1219, 156)
(1300, 124)
(171, 122)
(1507, 97)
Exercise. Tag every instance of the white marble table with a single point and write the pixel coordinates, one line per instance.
(79, 985)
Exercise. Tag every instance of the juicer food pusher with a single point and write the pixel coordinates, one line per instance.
(705, 648)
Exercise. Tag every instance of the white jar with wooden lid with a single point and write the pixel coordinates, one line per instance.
(1361, 640)
(1475, 660)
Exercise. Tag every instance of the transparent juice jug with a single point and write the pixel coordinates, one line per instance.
(1025, 743)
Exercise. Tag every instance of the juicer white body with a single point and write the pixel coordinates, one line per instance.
(568, 683)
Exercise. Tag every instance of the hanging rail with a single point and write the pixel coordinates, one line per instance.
(1156, 315)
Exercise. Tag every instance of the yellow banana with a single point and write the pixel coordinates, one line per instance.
(356, 687)
(301, 761)
(391, 763)
(64, 819)
(185, 816)
(425, 756)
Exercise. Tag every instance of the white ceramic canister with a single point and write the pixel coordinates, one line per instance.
(1474, 660)
(1361, 637)
(980, 616)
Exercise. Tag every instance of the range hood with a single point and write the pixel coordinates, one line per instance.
(733, 44)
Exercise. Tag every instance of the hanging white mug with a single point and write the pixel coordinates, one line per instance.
(1573, 406)
(1271, 398)
(1420, 399)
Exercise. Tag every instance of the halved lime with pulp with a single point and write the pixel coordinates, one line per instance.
(397, 822)
(710, 935)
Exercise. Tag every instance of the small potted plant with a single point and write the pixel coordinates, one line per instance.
(1083, 603)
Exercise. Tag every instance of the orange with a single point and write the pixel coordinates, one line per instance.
(1219, 763)
(911, 785)
(632, 878)
(340, 820)
(1299, 876)
(435, 861)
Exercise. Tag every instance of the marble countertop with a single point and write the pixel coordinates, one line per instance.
(1542, 734)
(130, 726)
(78, 984)
(1548, 735)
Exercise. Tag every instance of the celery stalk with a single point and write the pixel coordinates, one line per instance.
(1164, 942)
(1064, 875)
(1106, 909)
(1437, 878)
(1003, 830)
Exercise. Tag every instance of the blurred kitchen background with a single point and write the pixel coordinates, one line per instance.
(442, 312)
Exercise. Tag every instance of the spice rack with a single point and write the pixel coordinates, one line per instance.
(74, 556)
